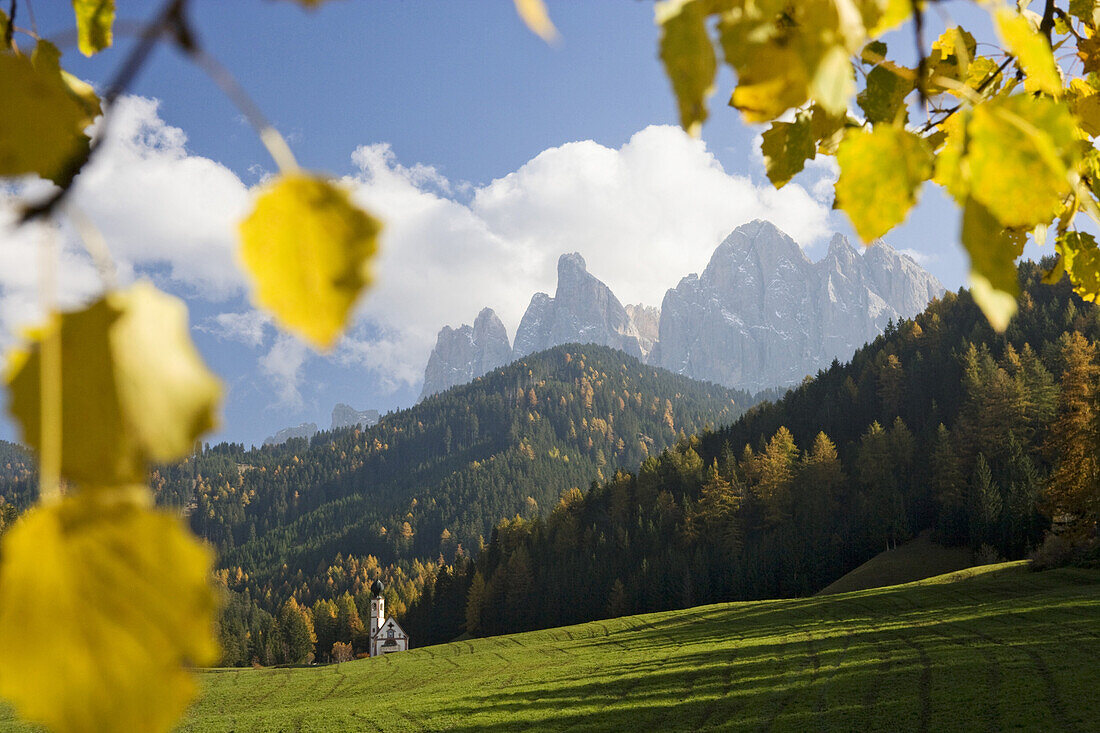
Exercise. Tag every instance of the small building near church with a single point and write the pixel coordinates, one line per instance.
(386, 635)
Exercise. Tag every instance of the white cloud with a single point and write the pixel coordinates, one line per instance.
(924, 259)
(282, 365)
(247, 328)
(643, 216)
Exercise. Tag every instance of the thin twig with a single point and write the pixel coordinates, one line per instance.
(30, 14)
(121, 82)
(11, 24)
(977, 90)
(922, 60)
(271, 138)
(1047, 23)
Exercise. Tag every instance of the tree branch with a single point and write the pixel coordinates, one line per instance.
(1046, 26)
(162, 23)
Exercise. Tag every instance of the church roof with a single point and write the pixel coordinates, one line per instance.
(399, 633)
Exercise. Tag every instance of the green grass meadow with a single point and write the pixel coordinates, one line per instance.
(994, 648)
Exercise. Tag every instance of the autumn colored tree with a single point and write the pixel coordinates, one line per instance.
(1074, 442)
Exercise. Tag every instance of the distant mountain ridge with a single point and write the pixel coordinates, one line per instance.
(343, 416)
(761, 315)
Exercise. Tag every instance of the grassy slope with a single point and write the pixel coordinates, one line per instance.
(986, 648)
(915, 560)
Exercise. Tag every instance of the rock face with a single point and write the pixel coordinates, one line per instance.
(762, 315)
(344, 416)
(583, 310)
(306, 430)
(647, 319)
(466, 353)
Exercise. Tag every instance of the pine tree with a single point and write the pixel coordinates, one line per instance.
(1074, 442)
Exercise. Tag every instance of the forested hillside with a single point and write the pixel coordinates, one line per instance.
(316, 520)
(939, 423)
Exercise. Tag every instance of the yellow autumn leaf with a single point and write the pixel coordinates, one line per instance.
(94, 19)
(689, 59)
(1031, 49)
(308, 250)
(534, 15)
(769, 84)
(880, 174)
(42, 117)
(993, 253)
(128, 365)
(1081, 260)
(1021, 152)
(103, 604)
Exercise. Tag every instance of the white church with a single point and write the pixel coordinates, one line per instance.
(386, 635)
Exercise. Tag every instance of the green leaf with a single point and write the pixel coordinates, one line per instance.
(689, 59)
(128, 365)
(1031, 50)
(786, 147)
(993, 253)
(94, 19)
(884, 95)
(42, 118)
(1020, 155)
(1081, 259)
(308, 250)
(880, 174)
(103, 605)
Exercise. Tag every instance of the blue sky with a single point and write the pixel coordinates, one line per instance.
(487, 152)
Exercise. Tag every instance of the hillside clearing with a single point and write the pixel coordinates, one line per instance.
(917, 559)
(994, 648)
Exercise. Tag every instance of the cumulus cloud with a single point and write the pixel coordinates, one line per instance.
(643, 216)
(282, 365)
(247, 328)
(163, 212)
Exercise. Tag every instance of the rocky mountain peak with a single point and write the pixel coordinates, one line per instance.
(463, 354)
(763, 315)
(583, 310)
(345, 416)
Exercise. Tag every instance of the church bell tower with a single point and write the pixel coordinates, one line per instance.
(377, 607)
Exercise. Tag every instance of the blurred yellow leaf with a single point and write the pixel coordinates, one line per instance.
(102, 604)
(134, 388)
(890, 14)
(1020, 154)
(94, 19)
(1031, 49)
(1081, 260)
(993, 253)
(689, 59)
(880, 174)
(308, 250)
(772, 82)
(534, 15)
(42, 117)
